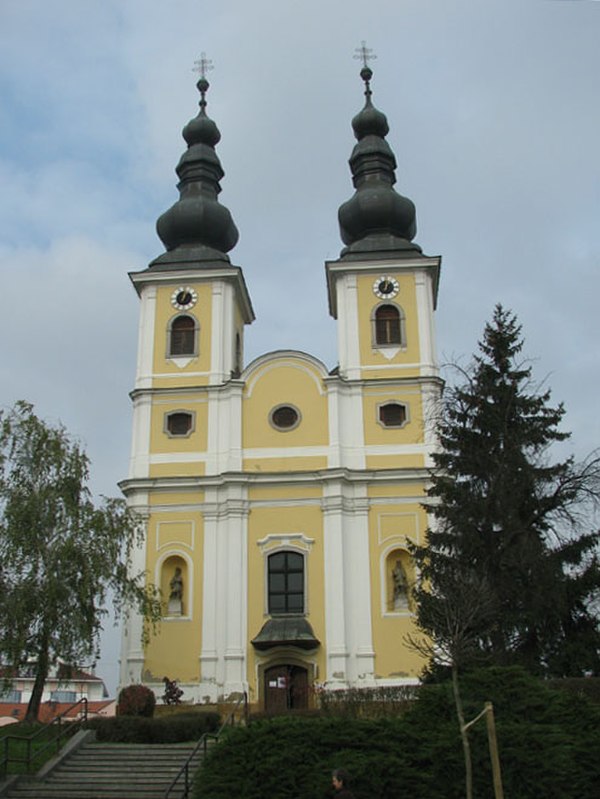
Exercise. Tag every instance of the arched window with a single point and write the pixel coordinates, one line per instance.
(182, 336)
(388, 325)
(286, 583)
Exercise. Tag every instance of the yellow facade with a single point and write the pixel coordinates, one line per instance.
(280, 497)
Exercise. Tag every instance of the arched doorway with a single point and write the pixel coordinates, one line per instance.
(286, 688)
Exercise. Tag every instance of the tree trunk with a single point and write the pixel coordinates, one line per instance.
(41, 674)
(464, 734)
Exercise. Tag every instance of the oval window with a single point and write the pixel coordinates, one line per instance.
(285, 417)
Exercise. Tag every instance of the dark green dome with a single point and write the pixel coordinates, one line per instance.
(377, 221)
(197, 227)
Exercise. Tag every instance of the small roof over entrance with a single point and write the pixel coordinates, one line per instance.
(286, 631)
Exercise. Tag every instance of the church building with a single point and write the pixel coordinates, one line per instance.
(279, 497)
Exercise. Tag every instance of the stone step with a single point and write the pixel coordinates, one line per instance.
(112, 771)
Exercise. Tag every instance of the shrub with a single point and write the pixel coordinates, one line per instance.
(167, 729)
(367, 702)
(548, 742)
(136, 700)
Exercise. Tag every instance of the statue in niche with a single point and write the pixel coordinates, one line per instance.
(175, 607)
(400, 587)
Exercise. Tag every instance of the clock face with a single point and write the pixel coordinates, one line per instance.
(184, 298)
(386, 287)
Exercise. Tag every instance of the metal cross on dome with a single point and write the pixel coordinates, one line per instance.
(365, 53)
(203, 65)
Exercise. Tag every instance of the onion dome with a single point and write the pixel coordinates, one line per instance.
(376, 222)
(197, 227)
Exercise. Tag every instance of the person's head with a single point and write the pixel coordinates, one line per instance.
(340, 778)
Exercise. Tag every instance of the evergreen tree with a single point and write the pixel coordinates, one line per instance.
(60, 554)
(510, 522)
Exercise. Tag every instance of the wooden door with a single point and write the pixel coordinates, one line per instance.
(286, 688)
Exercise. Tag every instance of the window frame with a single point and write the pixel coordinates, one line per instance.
(381, 405)
(286, 592)
(63, 696)
(168, 414)
(196, 334)
(279, 407)
(401, 343)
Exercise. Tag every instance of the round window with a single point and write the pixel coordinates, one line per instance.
(285, 417)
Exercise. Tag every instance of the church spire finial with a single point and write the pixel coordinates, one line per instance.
(365, 54)
(203, 65)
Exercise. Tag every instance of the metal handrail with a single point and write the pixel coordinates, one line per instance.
(30, 739)
(184, 771)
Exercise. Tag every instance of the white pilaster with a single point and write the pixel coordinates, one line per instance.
(224, 448)
(212, 609)
(424, 296)
(139, 462)
(222, 332)
(224, 624)
(346, 427)
(132, 652)
(236, 527)
(357, 605)
(346, 288)
(335, 620)
(146, 329)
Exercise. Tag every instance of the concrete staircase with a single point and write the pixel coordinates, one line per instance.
(111, 771)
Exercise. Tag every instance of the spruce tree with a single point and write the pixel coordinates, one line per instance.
(510, 527)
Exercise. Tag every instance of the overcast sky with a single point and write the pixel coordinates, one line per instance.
(494, 113)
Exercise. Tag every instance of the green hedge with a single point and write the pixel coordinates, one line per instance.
(549, 746)
(167, 729)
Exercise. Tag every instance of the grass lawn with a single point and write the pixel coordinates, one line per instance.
(15, 748)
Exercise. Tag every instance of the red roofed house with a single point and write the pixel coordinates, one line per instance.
(65, 686)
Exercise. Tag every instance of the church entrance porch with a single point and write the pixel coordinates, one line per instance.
(285, 688)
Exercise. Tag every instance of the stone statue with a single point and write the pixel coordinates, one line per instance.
(400, 590)
(176, 596)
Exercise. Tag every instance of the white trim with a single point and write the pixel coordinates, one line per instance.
(389, 353)
(177, 376)
(294, 541)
